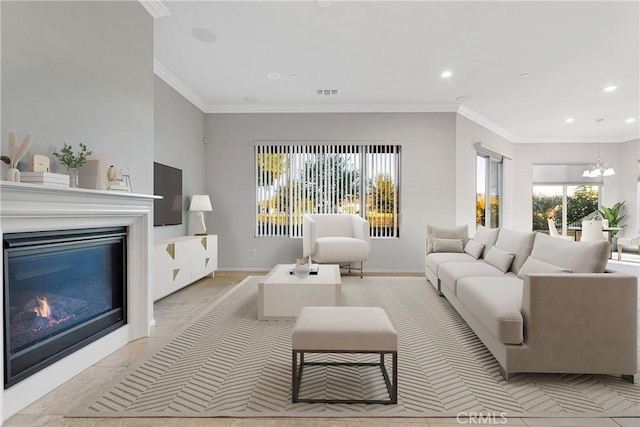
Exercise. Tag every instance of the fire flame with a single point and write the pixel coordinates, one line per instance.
(43, 309)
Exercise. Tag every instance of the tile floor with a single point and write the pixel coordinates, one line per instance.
(172, 313)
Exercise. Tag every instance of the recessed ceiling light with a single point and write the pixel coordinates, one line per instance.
(610, 88)
(523, 75)
(630, 120)
(464, 98)
(446, 74)
(570, 120)
(250, 99)
(203, 35)
(273, 76)
(293, 76)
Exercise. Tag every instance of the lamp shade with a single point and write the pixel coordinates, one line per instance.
(200, 203)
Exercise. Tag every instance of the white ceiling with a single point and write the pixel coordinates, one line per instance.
(388, 56)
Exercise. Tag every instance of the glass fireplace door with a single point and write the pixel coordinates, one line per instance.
(62, 290)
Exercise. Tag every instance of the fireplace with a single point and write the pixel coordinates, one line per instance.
(62, 291)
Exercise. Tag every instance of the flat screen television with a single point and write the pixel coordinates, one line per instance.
(167, 182)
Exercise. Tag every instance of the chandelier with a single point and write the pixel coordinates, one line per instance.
(600, 168)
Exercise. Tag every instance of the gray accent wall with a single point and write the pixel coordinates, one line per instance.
(80, 72)
(427, 181)
(179, 131)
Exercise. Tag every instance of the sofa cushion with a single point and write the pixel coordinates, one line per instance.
(517, 243)
(579, 257)
(447, 245)
(340, 249)
(486, 236)
(474, 248)
(535, 266)
(454, 232)
(499, 259)
(496, 303)
(434, 260)
(450, 272)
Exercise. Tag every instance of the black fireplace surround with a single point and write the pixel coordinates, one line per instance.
(62, 290)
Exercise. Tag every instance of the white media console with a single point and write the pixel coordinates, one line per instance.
(180, 261)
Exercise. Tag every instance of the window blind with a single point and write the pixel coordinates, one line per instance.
(291, 180)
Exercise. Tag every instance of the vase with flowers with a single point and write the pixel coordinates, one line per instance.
(72, 161)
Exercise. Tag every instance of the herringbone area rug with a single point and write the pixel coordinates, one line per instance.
(227, 363)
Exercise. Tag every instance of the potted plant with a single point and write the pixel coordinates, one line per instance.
(72, 161)
(612, 215)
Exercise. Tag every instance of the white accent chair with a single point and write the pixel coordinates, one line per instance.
(628, 241)
(553, 231)
(592, 231)
(335, 239)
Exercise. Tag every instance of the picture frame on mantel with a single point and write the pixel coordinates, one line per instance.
(93, 174)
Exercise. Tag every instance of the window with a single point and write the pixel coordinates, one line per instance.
(488, 188)
(291, 180)
(567, 205)
(561, 193)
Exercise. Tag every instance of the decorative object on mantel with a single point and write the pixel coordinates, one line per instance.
(119, 184)
(200, 203)
(46, 178)
(16, 152)
(39, 163)
(112, 174)
(600, 168)
(72, 162)
(126, 179)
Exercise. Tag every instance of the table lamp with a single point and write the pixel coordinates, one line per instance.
(200, 203)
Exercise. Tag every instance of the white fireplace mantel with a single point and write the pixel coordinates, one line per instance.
(31, 207)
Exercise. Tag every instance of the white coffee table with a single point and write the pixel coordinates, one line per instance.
(281, 295)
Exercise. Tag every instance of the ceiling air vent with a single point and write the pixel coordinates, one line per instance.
(326, 92)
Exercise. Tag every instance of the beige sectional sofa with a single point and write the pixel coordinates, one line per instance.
(538, 303)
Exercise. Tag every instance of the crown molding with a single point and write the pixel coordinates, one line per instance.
(590, 140)
(332, 108)
(155, 8)
(184, 90)
(483, 121)
(486, 123)
(163, 72)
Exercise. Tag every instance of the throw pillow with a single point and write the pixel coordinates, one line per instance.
(474, 248)
(499, 259)
(486, 236)
(533, 266)
(518, 243)
(447, 245)
(455, 232)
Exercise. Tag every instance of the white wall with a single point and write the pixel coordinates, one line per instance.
(467, 134)
(628, 158)
(179, 130)
(621, 186)
(80, 72)
(427, 181)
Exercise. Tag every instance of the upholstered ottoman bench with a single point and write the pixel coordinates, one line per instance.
(344, 330)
